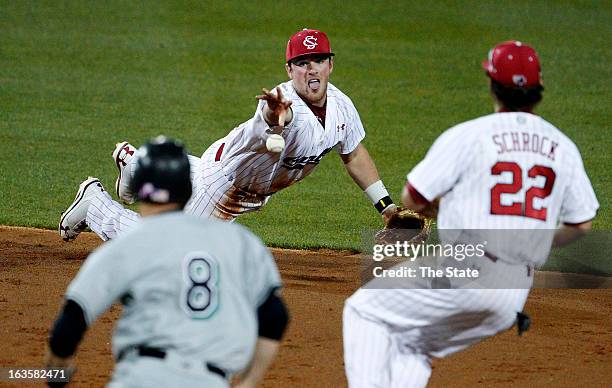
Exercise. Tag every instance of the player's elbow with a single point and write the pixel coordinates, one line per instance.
(583, 227)
(569, 233)
(272, 317)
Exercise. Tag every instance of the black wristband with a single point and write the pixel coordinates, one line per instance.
(383, 203)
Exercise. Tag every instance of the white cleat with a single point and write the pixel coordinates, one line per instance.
(123, 154)
(72, 221)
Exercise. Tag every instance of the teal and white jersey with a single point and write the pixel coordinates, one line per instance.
(187, 284)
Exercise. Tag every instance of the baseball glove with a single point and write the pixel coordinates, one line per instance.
(405, 225)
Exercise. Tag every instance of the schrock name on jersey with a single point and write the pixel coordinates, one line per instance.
(298, 163)
(525, 142)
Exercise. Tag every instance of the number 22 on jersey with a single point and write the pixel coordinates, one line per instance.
(525, 208)
(200, 290)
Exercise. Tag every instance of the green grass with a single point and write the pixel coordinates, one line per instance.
(76, 77)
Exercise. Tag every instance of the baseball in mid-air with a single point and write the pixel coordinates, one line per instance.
(275, 143)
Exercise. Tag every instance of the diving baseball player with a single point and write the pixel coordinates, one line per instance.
(510, 171)
(292, 130)
(200, 297)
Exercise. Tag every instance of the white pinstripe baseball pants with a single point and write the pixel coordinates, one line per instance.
(373, 357)
(390, 335)
(213, 196)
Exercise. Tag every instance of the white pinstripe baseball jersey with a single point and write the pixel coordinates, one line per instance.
(237, 174)
(252, 168)
(510, 170)
(501, 171)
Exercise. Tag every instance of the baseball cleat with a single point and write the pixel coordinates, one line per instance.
(73, 221)
(123, 154)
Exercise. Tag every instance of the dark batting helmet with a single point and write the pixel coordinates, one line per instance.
(162, 173)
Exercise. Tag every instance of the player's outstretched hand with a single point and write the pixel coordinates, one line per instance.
(277, 104)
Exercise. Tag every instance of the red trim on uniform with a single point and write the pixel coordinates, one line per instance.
(318, 111)
(219, 152)
(416, 196)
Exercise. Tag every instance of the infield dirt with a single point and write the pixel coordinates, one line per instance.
(569, 344)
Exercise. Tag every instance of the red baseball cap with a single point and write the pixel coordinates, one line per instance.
(514, 64)
(307, 42)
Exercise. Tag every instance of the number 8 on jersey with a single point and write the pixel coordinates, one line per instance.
(200, 292)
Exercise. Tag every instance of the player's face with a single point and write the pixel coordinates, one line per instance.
(310, 75)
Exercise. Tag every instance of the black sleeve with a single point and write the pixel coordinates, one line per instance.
(273, 317)
(68, 330)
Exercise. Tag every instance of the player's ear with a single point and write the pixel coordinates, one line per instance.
(288, 68)
(331, 64)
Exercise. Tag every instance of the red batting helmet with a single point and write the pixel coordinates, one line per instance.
(514, 64)
(307, 42)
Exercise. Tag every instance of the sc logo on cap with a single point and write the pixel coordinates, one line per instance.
(310, 42)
